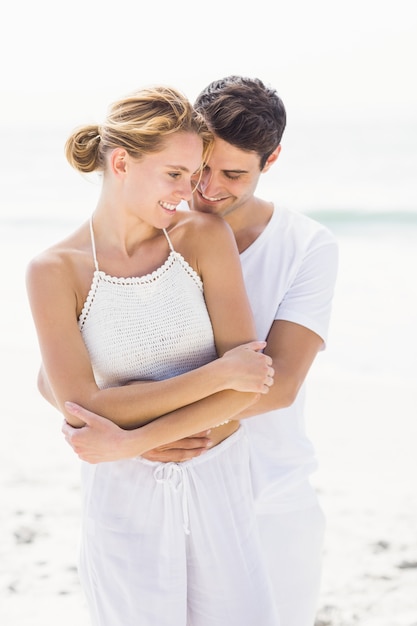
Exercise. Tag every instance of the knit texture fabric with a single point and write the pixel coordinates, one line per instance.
(147, 328)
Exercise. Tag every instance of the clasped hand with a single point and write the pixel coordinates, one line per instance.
(250, 369)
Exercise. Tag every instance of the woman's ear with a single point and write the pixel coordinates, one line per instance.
(272, 158)
(118, 161)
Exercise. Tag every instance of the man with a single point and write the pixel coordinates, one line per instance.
(289, 263)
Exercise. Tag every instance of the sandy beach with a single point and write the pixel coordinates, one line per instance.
(361, 416)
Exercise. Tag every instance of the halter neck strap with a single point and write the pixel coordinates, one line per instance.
(93, 244)
(171, 247)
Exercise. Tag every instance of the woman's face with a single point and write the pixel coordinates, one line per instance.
(155, 185)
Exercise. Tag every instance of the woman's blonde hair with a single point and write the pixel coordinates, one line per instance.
(139, 123)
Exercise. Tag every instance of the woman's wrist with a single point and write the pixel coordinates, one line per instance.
(220, 375)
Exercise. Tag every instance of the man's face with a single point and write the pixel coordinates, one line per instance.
(229, 180)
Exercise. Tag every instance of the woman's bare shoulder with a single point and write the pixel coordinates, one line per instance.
(202, 238)
(61, 255)
(200, 223)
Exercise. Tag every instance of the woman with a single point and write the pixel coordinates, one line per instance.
(122, 300)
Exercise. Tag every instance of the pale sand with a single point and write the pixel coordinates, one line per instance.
(364, 430)
(365, 434)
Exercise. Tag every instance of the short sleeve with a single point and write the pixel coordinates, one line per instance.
(308, 299)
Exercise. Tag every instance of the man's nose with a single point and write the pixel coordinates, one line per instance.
(207, 180)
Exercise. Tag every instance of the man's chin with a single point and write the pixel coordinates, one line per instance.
(217, 207)
(200, 207)
(205, 210)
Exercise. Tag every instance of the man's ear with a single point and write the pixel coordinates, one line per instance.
(272, 158)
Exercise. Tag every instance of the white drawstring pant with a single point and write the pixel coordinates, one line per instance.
(167, 544)
(293, 546)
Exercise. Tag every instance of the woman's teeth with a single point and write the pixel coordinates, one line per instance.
(166, 205)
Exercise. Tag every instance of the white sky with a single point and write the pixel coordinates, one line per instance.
(64, 63)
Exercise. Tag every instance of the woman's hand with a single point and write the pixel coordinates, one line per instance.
(99, 440)
(248, 369)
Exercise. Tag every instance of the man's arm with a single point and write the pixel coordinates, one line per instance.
(293, 349)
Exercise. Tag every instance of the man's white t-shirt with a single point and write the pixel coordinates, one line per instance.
(290, 272)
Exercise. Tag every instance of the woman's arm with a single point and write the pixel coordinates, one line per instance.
(292, 348)
(237, 369)
(102, 440)
(53, 299)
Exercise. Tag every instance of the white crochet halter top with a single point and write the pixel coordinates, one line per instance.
(149, 327)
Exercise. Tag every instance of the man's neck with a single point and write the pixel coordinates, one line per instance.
(249, 221)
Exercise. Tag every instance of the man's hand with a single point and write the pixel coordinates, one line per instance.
(181, 450)
(99, 440)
